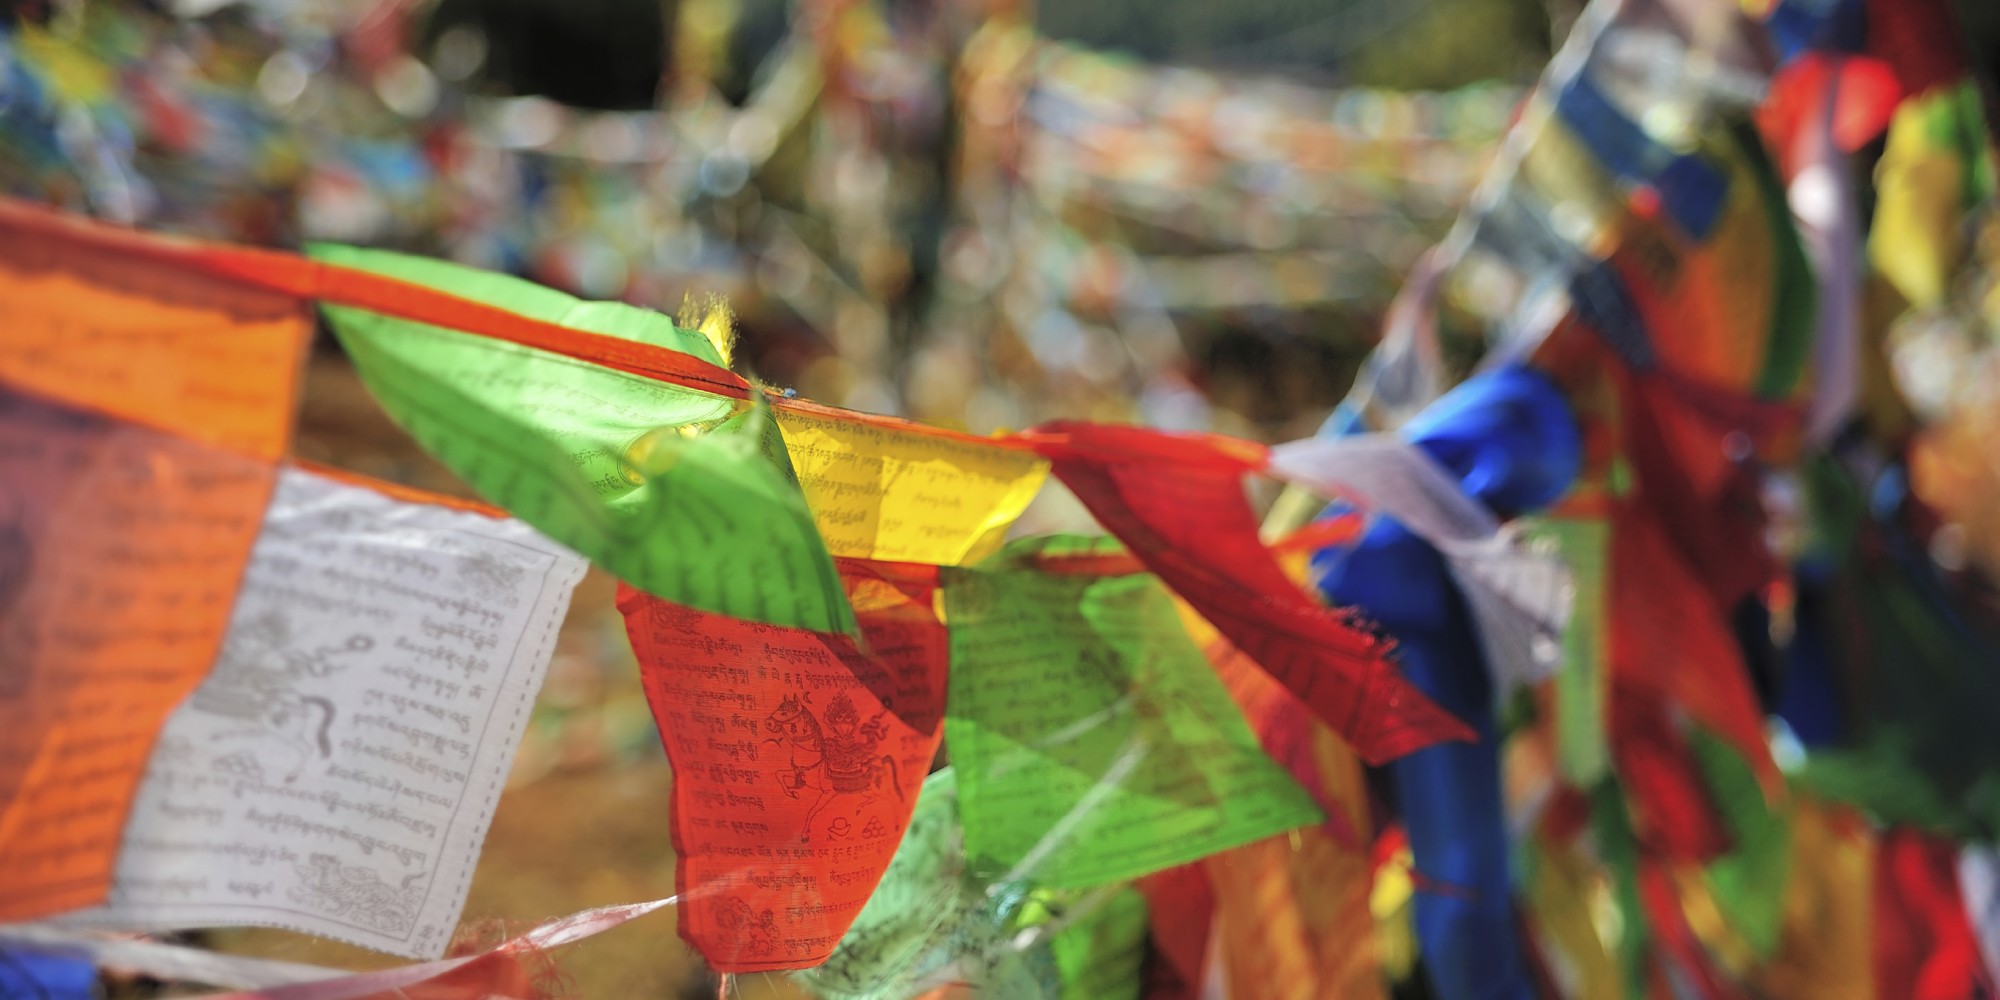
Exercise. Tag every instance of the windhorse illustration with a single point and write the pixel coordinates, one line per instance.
(830, 761)
(255, 681)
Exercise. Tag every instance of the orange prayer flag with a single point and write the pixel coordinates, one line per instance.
(150, 340)
(144, 404)
(121, 549)
(1291, 912)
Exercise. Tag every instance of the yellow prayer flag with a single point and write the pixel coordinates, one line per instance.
(878, 491)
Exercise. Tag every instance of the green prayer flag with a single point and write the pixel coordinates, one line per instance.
(524, 298)
(1092, 739)
(1098, 956)
(1581, 680)
(931, 921)
(684, 494)
(1748, 882)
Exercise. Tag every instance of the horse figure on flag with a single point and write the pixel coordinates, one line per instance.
(837, 759)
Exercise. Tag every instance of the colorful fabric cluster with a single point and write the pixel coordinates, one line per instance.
(1641, 663)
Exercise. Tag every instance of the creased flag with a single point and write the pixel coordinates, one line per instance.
(337, 769)
(933, 924)
(1178, 502)
(797, 757)
(683, 493)
(142, 412)
(1092, 740)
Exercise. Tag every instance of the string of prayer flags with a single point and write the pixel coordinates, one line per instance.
(1092, 740)
(683, 493)
(336, 771)
(1178, 502)
(797, 758)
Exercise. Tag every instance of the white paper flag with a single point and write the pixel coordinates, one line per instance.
(336, 772)
(1520, 597)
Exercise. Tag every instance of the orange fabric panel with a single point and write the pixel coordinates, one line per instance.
(121, 549)
(149, 340)
(1292, 915)
(1291, 912)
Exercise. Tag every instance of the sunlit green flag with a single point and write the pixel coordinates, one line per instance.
(682, 493)
(1093, 740)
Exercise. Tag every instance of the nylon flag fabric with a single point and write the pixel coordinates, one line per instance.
(1178, 502)
(120, 552)
(141, 413)
(1292, 912)
(1092, 740)
(797, 758)
(932, 922)
(86, 323)
(336, 771)
(879, 490)
(683, 493)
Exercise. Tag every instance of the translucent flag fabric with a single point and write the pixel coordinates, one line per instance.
(934, 923)
(1178, 502)
(1093, 742)
(882, 489)
(120, 552)
(683, 493)
(142, 411)
(797, 757)
(336, 771)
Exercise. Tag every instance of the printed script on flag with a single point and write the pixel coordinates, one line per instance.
(337, 770)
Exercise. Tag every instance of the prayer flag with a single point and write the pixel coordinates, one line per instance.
(683, 493)
(797, 756)
(1178, 502)
(1092, 740)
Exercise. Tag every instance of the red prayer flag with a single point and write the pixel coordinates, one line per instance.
(1670, 642)
(1177, 501)
(797, 758)
(1924, 943)
(1180, 903)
